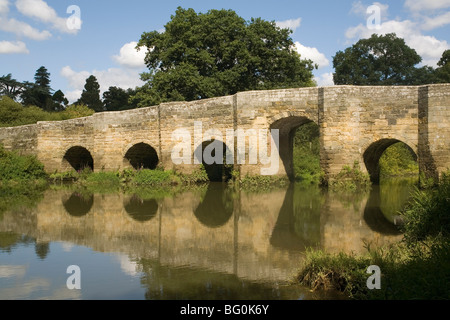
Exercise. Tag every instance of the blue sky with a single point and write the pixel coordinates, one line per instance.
(35, 33)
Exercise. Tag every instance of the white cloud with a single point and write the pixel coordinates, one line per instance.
(4, 6)
(130, 57)
(325, 80)
(292, 24)
(360, 9)
(436, 22)
(41, 11)
(312, 54)
(22, 29)
(7, 47)
(428, 47)
(123, 78)
(426, 5)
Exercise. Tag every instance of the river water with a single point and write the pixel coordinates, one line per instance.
(210, 242)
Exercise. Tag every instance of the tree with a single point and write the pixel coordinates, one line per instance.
(60, 101)
(218, 53)
(39, 92)
(116, 99)
(10, 87)
(42, 79)
(379, 60)
(443, 70)
(91, 95)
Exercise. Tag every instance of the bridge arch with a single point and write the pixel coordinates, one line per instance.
(141, 156)
(220, 170)
(375, 150)
(287, 124)
(78, 158)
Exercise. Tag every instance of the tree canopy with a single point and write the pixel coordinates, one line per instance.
(379, 60)
(91, 95)
(218, 53)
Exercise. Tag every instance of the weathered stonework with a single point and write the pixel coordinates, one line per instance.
(356, 124)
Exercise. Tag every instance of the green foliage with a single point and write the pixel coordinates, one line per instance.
(342, 272)
(103, 178)
(351, 179)
(10, 87)
(379, 60)
(91, 95)
(152, 177)
(19, 168)
(199, 176)
(14, 114)
(117, 99)
(443, 71)
(218, 53)
(306, 154)
(76, 111)
(428, 213)
(258, 183)
(398, 160)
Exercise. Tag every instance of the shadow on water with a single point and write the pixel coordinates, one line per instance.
(298, 224)
(78, 205)
(216, 206)
(141, 210)
(385, 201)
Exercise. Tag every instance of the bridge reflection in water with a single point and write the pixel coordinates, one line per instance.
(259, 237)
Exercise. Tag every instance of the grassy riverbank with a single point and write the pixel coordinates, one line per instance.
(416, 268)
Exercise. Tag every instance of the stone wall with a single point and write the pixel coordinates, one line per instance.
(356, 124)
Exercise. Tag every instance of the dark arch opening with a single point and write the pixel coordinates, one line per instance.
(142, 156)
(217, 207)
(288, 128)
(78, 205)
(374, 153)
(141, 210)
(79, 158)
(219, 171)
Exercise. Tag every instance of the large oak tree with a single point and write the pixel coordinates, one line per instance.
(379, 60)
(204, 55)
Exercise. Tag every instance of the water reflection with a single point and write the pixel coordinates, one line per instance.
(141, 210)
(216, 206)
(209, 244)
(298, 224)
(78, 204)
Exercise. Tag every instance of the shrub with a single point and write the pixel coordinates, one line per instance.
(351, 179)
(152, 177)
(17, 167)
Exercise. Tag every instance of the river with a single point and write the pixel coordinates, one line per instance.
(209, 242)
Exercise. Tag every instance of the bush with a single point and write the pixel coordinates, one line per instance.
(152, 177)
(17, 167)
(14, 114)
(428, 213)
(351, 179)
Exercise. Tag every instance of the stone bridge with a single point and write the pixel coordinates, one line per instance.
(356, 124)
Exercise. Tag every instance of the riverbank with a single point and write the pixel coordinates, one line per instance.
(416, 268)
